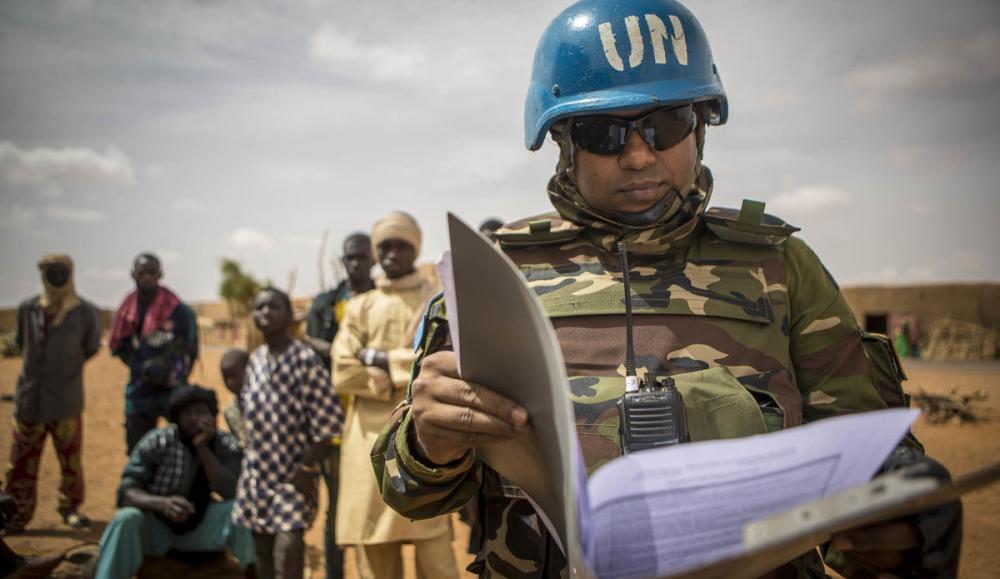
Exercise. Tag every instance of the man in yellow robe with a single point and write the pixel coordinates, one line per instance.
(372, 357)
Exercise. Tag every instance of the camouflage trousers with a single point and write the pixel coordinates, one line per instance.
(26, 455)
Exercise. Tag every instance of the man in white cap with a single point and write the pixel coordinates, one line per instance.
(372, 357)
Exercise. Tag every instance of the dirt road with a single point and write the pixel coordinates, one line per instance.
(961, 448)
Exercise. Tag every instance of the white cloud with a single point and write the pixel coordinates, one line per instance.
(936, 66)
(246, 238)
(54, 170)
(338, 48)
(809, 199)
(73, 214)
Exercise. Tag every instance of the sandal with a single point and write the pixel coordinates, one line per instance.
(75, 518)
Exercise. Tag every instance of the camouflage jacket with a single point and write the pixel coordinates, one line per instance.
(743, 318)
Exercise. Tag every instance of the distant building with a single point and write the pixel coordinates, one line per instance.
(947, 321)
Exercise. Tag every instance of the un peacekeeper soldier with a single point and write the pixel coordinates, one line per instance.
(731, 307)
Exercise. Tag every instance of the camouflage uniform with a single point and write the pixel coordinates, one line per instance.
(736, 311)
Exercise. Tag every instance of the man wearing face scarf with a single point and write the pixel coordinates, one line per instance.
(731, 309)
(57, 332)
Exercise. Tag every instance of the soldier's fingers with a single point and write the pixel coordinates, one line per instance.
(443, 363)
(469, 420)
(891, 536)
(481, 398)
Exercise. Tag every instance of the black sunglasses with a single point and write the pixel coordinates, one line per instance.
(661, 129)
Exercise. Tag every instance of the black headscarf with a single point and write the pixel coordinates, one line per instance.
(186, 395)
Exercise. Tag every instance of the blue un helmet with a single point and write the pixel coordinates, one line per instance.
(604, 56)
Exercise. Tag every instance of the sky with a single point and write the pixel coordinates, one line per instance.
(246, 129)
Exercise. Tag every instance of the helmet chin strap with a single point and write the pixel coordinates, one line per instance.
(668, 203)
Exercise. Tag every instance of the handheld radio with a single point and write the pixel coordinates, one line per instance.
(651, 414)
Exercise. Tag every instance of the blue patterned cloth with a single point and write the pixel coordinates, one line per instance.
(288, 405)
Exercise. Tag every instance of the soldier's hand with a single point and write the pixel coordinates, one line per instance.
(879, 548)
(451, 416)
(926, 544)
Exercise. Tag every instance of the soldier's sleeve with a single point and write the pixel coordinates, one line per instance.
(831, 367)
(410, 487)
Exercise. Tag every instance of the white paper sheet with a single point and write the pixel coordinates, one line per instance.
(507, 344)
(447, 278)
(660, 512)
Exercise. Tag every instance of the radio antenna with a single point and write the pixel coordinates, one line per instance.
(631, 381)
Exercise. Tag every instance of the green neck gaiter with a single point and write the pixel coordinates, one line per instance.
(671, 230)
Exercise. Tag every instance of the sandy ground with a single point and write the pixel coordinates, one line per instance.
(961, 448)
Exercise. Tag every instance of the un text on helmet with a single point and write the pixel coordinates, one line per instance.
(657, 34)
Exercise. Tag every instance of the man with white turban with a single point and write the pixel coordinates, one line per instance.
(372, 357)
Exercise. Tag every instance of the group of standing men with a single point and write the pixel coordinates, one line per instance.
(361, 332)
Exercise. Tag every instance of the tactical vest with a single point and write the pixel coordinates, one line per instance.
(711, 317)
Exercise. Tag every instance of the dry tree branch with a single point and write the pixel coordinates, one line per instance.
(942, 408)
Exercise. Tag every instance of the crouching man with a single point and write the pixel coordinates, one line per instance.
(166, 492)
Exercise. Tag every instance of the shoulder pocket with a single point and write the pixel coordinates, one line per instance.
(887, 371)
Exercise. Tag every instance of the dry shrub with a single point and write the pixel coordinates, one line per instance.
(943, 408)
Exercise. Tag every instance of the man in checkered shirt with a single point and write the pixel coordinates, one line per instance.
(290, 412)
(166, 492)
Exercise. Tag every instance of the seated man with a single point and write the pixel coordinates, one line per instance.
(165, 495)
